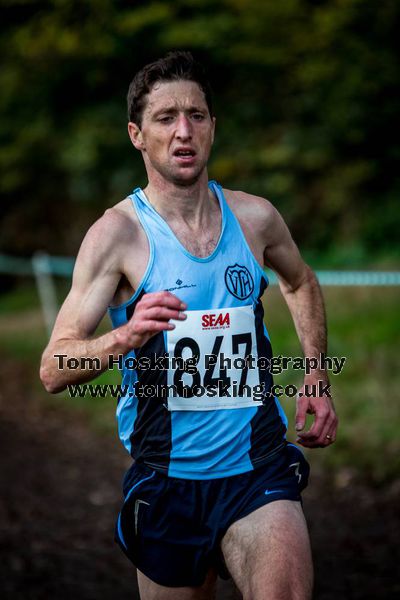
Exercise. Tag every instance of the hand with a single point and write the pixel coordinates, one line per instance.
(152, 315)
(322, 433)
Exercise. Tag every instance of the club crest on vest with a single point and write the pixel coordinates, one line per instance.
(239, 281)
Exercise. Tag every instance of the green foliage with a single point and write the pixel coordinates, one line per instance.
(306, 100)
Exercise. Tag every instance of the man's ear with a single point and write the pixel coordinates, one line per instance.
(136, 136)
(213, 129)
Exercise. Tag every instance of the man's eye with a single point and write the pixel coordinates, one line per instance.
(198, 116)
(165, 119)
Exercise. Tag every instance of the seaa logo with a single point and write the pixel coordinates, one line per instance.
(215, 321)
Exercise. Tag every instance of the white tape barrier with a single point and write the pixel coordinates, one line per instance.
(352, 278)
(63, 266)
(43, 267)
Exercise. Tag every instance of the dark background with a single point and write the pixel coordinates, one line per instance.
(306, 98)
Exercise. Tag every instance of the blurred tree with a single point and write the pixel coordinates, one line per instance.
(306, 101)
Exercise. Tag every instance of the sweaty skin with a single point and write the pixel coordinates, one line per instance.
(175, 137)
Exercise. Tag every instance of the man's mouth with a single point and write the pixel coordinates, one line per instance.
(184, 153)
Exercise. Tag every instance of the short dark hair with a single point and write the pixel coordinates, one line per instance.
(173, 67)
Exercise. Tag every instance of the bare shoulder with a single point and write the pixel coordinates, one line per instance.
(114, 252)
(244, 198)
(268, 236)
(108, 237)
(253, 211)
(118, 222)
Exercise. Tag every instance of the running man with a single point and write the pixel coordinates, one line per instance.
(214, 486)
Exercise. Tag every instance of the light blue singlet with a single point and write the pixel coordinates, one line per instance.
(210, 424)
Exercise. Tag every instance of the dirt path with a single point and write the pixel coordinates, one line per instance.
(60, 494)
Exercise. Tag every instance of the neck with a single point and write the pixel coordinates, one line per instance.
(188, 202)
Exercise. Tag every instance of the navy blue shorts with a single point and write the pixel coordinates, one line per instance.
(171, 528)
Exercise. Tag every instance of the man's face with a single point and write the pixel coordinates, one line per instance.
(176, 133)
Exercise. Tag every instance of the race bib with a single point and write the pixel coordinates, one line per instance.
(212, 351)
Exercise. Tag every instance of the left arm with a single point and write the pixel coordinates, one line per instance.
(303, 296)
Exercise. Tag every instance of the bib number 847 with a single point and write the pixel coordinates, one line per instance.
(241, 346)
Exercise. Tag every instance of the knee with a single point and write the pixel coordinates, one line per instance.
(279, 590)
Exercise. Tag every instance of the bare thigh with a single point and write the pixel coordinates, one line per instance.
(268, 553)
(149, 590)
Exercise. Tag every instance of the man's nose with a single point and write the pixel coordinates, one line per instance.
(183, 127)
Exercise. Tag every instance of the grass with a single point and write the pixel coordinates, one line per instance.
(363, 325)
(22, 298)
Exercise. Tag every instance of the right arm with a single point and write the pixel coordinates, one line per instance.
(97, 273)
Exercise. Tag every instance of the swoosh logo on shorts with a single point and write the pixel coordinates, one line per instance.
(267, 492)
(137, 506)
(296, 466)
